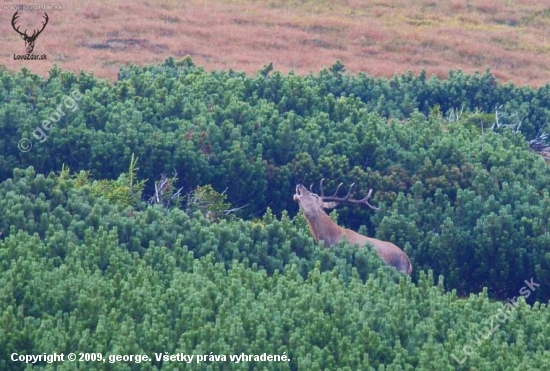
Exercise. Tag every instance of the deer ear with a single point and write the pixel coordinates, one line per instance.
(330, 205)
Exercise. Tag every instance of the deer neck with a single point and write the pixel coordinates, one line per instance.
(323, 228)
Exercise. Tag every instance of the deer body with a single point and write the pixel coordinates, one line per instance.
(323, 228)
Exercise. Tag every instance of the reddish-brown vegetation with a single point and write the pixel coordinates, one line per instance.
(381, 37)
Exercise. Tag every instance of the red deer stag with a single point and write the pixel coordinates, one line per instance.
(323, 228)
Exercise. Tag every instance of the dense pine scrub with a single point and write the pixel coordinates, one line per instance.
(155, 216)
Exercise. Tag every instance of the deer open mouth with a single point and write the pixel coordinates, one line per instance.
(298, 193)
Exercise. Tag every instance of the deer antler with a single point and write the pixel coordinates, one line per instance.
(35, 32)
(44, 24)
(347, 199)
(13, 19)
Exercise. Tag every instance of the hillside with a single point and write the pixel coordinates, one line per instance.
(91, 263)
(380, 38)
(148, 219)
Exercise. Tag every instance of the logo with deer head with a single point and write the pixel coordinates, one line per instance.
(29, 40)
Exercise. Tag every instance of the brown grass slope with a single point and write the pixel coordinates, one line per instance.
(378, 37)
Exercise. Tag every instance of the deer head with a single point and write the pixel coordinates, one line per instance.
(312, 203)
(29, 40)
